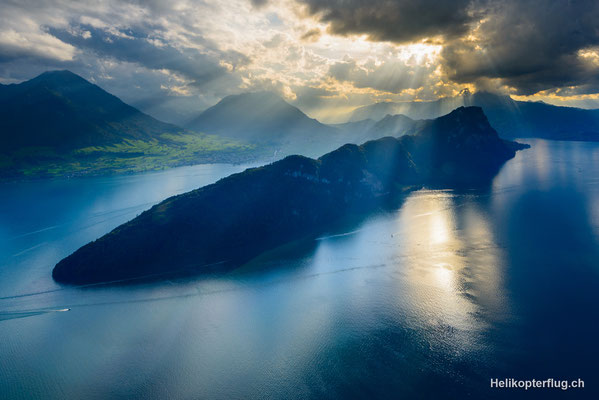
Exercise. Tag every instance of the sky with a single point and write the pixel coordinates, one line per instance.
(173, 59)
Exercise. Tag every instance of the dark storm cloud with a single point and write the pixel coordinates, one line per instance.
(157, 48)
(529, 45)
(398, 21)
(259, 3)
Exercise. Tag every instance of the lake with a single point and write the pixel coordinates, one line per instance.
(433, 299)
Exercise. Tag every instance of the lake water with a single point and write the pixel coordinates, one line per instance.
(431, 300)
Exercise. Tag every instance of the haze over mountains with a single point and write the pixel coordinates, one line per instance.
(227, 223)
(59, 123)
(265, 119)
(256, 116)
(510, 117)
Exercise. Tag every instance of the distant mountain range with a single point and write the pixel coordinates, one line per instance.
(511, 118)
(59, 109)
(411, 109)
(60, 124)
(266, 119)
(227, 223)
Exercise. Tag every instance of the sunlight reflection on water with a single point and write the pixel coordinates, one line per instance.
(447, 290)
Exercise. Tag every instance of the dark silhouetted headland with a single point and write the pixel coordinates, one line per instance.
(245, 214)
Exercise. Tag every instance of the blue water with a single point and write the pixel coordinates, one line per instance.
(431, 300)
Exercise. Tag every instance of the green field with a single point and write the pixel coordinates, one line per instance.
(129, 156)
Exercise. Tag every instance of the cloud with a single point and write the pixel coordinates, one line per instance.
(259, 3)
(520, 46)
(529, 46)
(392, 76)
(37, 44)
(178, 57)
(21, 36)
(149, 51)
(399, 21)
(312, 35)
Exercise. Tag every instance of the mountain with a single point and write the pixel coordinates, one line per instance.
(392, 125)
(227, 223)
(374, 112)
(355, 128)
(411, 109)
(265, 119)
(537, 119)
(59, 124)
(511, 118)
(368, 129)
(60, 109)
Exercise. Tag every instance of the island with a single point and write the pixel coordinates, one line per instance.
(223, 225)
